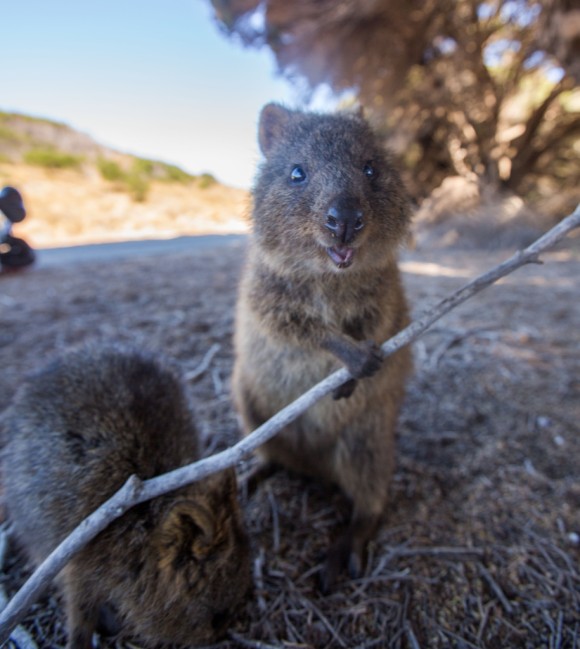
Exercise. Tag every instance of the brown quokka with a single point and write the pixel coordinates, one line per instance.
(172, 570)
(321, 289)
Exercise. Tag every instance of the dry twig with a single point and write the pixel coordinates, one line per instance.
(495, 587)
(440, 552)
(252, 644)
(193, 375)
(135, 491)
(411, 637)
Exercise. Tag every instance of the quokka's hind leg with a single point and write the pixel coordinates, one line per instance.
(348, 552)
(250, 414)
(364, 464)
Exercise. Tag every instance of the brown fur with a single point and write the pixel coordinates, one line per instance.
(171, 570)
(314, 297)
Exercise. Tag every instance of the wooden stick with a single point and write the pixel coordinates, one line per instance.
(134, 491)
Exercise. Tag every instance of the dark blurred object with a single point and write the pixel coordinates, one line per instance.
(12, 205)
(15, 253)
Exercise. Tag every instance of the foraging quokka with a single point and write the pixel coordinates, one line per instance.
(173, 570)
(321, 289)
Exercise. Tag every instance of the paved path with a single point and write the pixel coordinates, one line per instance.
(124, 249)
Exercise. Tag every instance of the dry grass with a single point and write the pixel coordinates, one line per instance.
(480, 545)
(72, 207)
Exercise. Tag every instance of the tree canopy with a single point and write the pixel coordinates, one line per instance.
(485, 90)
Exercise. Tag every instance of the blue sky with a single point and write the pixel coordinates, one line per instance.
(154, 78)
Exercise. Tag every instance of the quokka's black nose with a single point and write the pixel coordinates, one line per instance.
(344, 218)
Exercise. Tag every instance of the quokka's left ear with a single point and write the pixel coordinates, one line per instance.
(188, 531)
(274, 120)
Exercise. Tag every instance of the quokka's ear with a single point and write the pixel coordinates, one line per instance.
(188, 531)
(274, 119)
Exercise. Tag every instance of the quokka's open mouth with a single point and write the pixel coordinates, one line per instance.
(342, 256)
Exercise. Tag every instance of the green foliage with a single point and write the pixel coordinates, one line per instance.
(52, 158)
(205, 181)
(173, 173)
(135, 181)
(110, 170)
(143, 167)
(138, 186)
(21, 141)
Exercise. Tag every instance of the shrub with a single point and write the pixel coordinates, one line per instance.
(206, 180)
(52, 158)
(175, 174)
(143, 167)
(138, 186)
(134, 181)
(110, 170)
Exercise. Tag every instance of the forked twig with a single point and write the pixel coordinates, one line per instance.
(134, 491)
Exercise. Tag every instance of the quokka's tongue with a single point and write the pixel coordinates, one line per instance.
(342, 256)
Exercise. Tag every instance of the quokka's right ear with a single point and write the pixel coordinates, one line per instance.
(188, 532)
(274, 119)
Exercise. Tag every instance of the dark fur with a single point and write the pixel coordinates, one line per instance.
(302, 315)
(171, 570)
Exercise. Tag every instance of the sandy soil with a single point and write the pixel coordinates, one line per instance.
(481, 544)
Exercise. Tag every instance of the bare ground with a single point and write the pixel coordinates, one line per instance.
(481, 544)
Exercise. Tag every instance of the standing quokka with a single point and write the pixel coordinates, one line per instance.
(172, 570)
(321, 289)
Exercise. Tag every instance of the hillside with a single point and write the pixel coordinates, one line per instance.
(78, 191)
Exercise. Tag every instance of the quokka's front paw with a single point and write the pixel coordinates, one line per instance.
(345, 390)
(366, 361)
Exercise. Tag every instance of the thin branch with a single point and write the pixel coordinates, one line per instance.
(254, 644)
(411, 637)
(496, 589)
(134, 491)
(193, 375)
(259, 580)
(522, 142)
(458, 553)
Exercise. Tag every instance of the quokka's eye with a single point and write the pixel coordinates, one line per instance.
(297, 175)
(369, 170)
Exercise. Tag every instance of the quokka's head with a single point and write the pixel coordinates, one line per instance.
(327, 196)
(200, 574)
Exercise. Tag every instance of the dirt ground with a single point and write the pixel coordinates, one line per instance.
(480, 546)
